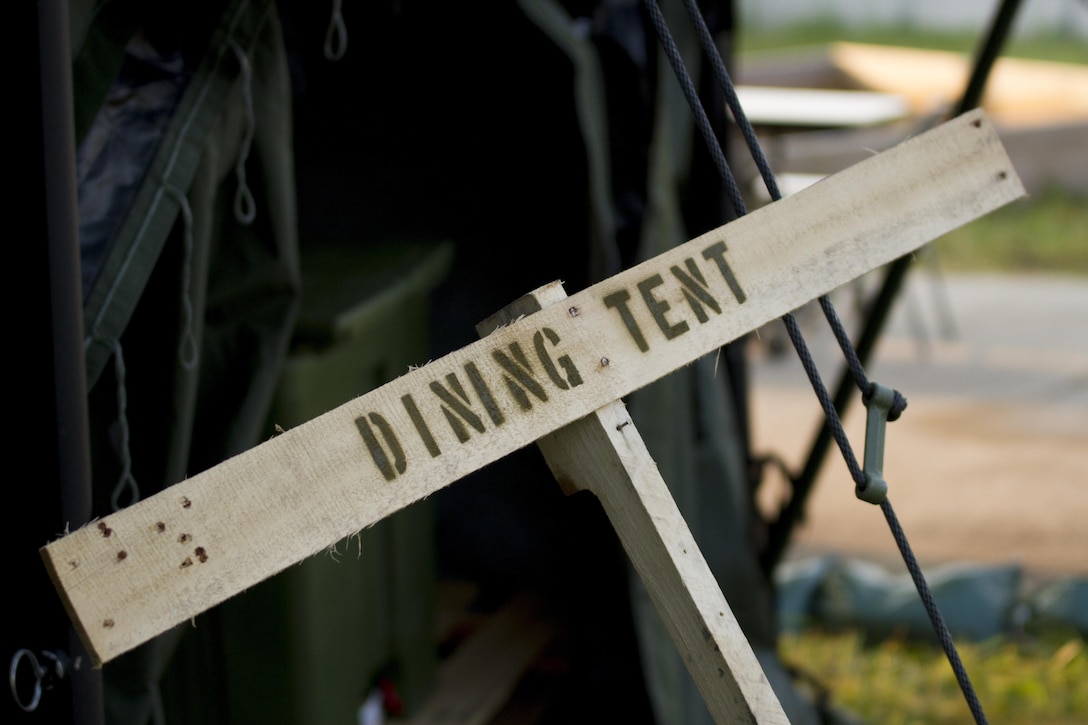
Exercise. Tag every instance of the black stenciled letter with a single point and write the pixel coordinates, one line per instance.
(484, 393)
(658, 308)
(716, 252)
(695, 289)
(377, 452)
(519, 377)
(618, 301)
(456, 407)
(421, 425)
(574, 379)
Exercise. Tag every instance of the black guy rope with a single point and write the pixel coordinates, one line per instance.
(878, 309)
(831, 413)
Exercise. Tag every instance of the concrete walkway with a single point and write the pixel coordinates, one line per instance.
(989, 463)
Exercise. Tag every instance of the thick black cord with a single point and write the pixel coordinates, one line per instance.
(857, 370)
(702, 121)
(935, 618)
(778, 531)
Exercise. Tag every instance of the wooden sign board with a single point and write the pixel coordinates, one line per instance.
(135, 573)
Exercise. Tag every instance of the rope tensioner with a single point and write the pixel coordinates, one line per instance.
(881, 407)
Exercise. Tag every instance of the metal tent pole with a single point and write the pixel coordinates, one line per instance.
(48, 334)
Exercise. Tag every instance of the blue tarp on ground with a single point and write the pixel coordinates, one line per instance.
(976, 602)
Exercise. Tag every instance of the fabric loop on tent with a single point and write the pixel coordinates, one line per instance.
(126, 481)
(187, 347)
(129, 261)
(336, 37)
(245, 208)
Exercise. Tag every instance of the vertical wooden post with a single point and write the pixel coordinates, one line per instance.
(604, 453)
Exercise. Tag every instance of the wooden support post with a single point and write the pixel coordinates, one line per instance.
(135, 573)
(604, 453)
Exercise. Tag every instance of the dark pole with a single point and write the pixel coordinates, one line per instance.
(65, 287)
(50, 486)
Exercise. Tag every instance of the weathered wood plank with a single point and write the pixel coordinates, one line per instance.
(605, 454)
(136, 573)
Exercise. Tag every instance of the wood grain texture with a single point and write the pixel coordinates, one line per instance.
(135, 573)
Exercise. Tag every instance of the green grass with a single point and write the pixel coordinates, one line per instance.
(895, 682)
(1047, 233)
(1067, 48)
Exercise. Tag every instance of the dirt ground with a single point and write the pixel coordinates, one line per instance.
(975, 482)
(989, 463)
